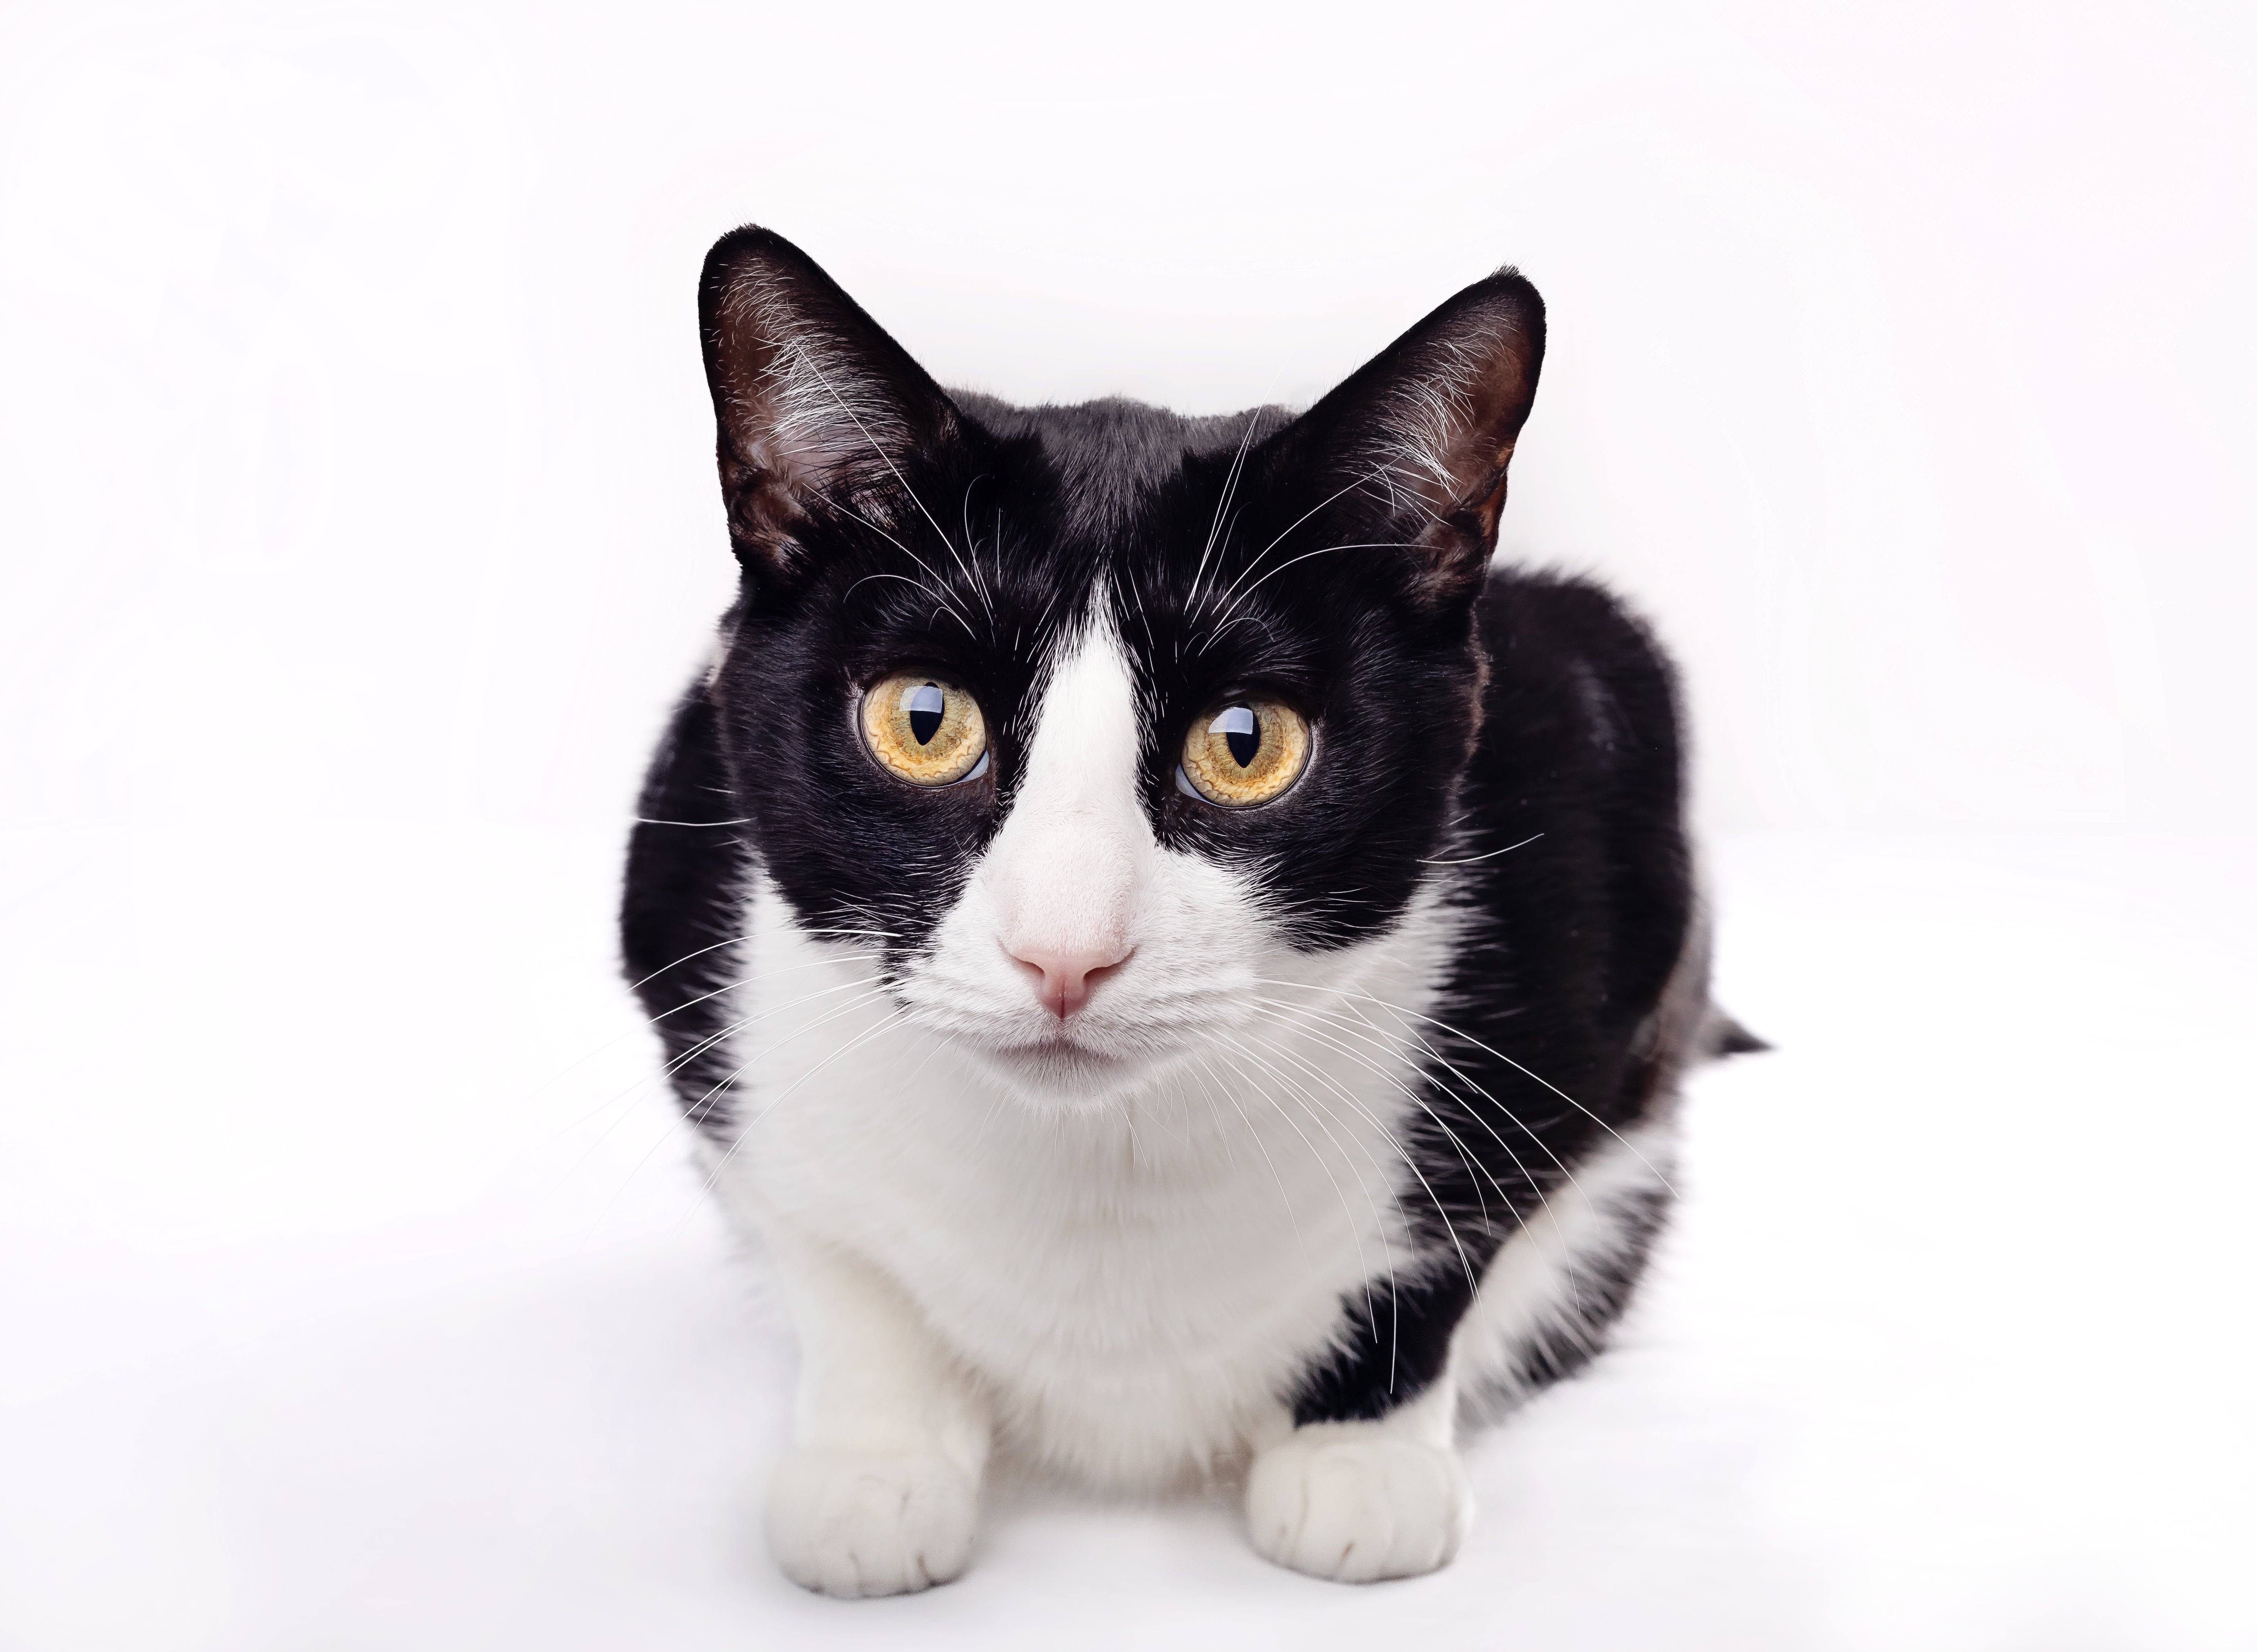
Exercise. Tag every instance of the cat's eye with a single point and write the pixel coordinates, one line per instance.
(1244, 751)
(925, 729)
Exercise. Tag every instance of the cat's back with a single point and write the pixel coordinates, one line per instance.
(1573, 836)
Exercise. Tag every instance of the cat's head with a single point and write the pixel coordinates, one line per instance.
(1088, 721)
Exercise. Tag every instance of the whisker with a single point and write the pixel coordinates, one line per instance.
(1565, 1254)
(669, 1070)
(1511, 1117)
(1412, 1165)
(697, 1111)
(733, 940)
(1394, 1286)
(1410, 1093)
(1230, 1060)
(1291, 1216)
(1206, 1082)
(892, 1020)
(1397, 1009)
(1376, 1039)
(931, 571)
(1121, 1109)
(1469, 859)
(652, 1020)
(737, 941)
(1235, 596)
(765, 974)
(807, 361)
(972, 547)
(738, 1025)
(1296, 522)
(1312, 1105)
(694, 1114)
(1362, 1267)
(706, 1187)
(1221, 506)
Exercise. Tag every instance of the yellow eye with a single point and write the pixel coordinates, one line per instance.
(1245, 751)
(924, 728)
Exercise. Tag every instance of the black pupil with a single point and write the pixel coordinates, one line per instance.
(926, 704)
(1241, 732)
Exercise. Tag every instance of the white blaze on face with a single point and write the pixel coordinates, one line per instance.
(1065, 878)
(1083, 959)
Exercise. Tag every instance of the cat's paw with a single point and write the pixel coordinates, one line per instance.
(1356, 1505)
(844, 1523)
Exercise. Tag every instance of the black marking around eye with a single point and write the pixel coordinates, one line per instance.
(1242, 731)
(926, 705)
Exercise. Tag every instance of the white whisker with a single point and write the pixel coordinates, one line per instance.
(1491, 855)
(1395, 1009)
(1362, 1267)
(886, 459)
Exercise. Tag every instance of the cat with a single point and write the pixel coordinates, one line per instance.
(1184, 967)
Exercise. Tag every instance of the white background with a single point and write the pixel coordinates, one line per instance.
(358, 523)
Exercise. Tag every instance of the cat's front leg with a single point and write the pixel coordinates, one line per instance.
(1360, 1500)
(879, 1493)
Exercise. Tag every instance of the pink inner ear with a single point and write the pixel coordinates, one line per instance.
(813, 401)
(1487, 509)
(1458, 389)
(798, 417)
(1453, 427)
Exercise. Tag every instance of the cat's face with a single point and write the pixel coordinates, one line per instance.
(1092, 721)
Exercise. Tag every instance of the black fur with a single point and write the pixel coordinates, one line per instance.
(1458, 712)
(1395, 1341)
(1569, 941)
(678, 923)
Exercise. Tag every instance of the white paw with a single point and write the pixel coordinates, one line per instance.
(849, 1524)
(1347, 1502)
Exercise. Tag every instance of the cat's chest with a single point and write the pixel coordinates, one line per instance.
(1229, 1212)
(1139, 1283)
(1223, 1212)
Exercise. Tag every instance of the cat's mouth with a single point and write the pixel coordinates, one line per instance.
(1062, 1054)
(1092, 1057)
(1062, 1067)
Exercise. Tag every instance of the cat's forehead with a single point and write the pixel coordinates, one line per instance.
(1112, 455)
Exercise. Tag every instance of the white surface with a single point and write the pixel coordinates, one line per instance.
(355, 495)
(366, 1304)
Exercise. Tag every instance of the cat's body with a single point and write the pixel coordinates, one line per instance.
(1090, 1103)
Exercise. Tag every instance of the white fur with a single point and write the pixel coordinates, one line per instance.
(1110, 1249)
(1528, 1293)
(1359, 1502)
(880, 1490)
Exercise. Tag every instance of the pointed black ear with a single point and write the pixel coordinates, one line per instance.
(816, 404)
(1428, 426)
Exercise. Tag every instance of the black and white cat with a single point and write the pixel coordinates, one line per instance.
(1180, 964)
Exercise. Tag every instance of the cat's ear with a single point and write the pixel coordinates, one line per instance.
(815, 404)
(1427, 428)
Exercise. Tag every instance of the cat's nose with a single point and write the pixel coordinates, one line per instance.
(1063, 976)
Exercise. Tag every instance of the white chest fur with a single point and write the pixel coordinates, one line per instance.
(1136, 1284)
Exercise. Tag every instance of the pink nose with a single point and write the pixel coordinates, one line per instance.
(1066, 975)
